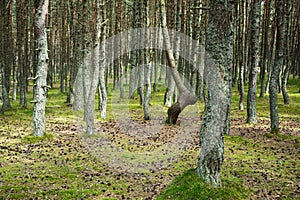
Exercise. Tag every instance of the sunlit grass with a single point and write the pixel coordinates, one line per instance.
(59, 166)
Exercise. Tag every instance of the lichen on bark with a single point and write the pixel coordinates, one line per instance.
(218, 80)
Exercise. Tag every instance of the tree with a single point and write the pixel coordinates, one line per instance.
(92, 71)
(218, 82)
(147, 67)
(265, 46)
(6, 57)
(254, 54)
(102, 88)
(240, 47)
(185, 96)
(40, 81)
(276, 67)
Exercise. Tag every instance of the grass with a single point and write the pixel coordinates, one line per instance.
(59, 165)
(190, 186)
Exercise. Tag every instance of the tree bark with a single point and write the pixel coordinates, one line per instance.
(254, 54)
(40, 85)
(265, 46)
(134, 53)
(102, 88)
(185, 96)
(218, 80)
(286, 59)
(92, 70)
(6, 63)
(276, 67)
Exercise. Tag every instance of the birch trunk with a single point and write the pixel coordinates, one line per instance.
(102, 87)
(40, 85)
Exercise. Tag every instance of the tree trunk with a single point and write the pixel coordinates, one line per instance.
(271, 54)
(276, 68)
(6, 63)
(102, 88)
(185, 96)
(133, 54)
(147, 66)
(40, 85)
(170, 88)
(146, 105)
(254, 54)
(92, 71)
(286, 60)
(265, 46)
(218, 81)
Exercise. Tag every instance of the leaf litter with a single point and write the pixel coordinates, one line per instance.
(65, 166)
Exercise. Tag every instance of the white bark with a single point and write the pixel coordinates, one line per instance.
(40, 85)
(102, 86)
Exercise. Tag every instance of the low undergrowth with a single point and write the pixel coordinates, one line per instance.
(60, 165)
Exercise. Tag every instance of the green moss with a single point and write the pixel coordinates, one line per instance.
(190, 186)
(42, 167)
(30, 139)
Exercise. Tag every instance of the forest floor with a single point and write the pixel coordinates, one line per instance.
(129, 158)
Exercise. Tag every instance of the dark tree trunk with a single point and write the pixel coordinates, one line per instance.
(265, 46)
(6, 63)
(276, 67)
(254, 53)
(286, 60)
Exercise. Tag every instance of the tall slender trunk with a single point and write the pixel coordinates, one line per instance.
(40, 85)
(133, 54)
(6, 65)
(253, 72)
(92, 71)
(102, 88)
(265, 46)
(147, 66)
(276, 67)
(271, 55)
(286, 59)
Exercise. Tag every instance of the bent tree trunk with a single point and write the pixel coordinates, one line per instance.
(40, 85)
(185, 97)
(218, 81)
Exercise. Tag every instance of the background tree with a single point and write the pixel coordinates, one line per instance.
(265, 45)
(185, 96)
(6, 57)
(102, 92)
(254, 59)
(277, 65)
